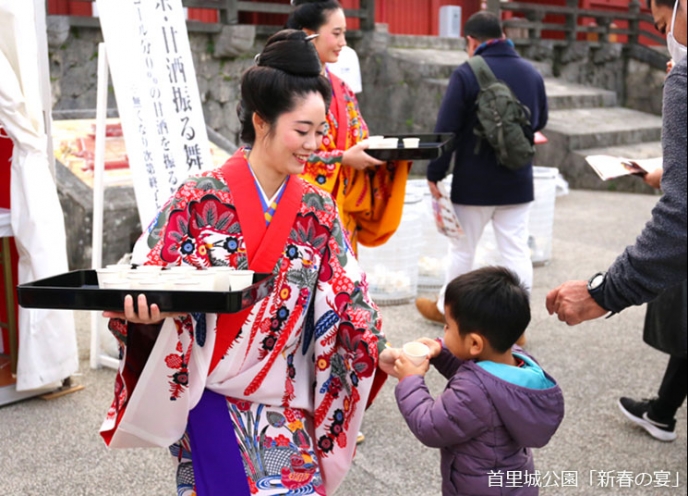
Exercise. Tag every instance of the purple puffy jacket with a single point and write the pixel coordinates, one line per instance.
(483, 425)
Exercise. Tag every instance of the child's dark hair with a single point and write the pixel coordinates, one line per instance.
(311, 14)
(491, 302)
(288, 69)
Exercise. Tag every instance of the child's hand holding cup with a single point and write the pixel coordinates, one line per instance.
(414, 360)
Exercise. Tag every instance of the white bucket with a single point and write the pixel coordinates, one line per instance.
(541, 221)
(392, 269)
(433, 258)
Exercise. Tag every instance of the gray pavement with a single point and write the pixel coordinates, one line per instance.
(53, 447)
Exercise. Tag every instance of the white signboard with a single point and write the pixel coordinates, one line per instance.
(157, 96)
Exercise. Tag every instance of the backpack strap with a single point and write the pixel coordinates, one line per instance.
(482, 71)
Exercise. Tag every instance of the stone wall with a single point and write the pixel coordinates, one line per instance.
(636, 75)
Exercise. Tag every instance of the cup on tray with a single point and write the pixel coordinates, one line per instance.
(222, 278)
(389, 143)
(205, 278)
(411, 142)
(121, 283)
(375, 141)
(240, 279)
(416, 352)
(107, 274)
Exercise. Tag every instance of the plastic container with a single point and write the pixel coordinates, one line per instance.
(541, 222)
(392, 269)
(433, 258)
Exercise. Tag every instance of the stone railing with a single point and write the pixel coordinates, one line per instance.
(229, 10)
(602, 29)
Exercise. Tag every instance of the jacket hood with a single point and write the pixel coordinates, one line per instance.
(531, 416)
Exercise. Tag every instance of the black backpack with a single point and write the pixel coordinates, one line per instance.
(503, 121)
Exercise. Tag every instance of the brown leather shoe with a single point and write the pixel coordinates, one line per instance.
(428, 309)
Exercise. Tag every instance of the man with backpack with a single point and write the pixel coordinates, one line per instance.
(494, 104)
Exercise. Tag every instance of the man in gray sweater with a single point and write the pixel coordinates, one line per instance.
(657, 260)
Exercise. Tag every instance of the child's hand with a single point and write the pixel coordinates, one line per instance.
(433, 344)
(404, 367)
(387, 359)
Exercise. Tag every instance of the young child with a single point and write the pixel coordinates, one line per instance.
(498, 402)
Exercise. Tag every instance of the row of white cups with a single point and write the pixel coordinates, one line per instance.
(380, 142)
(178, 278)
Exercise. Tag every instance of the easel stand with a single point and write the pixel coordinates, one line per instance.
(97, 357)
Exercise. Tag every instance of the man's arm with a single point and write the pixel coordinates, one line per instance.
(657, 260)
(449, 120)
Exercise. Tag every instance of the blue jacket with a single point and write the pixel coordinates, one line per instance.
(479, 179)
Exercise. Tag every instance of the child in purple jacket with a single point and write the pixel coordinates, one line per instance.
(498, 402)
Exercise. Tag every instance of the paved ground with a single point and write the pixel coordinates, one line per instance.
(52, 448)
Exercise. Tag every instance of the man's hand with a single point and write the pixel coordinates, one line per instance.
(434, 190)
(573, 304)
(387, 359)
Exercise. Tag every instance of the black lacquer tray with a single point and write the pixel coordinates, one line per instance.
(431, 146)
(78, 290)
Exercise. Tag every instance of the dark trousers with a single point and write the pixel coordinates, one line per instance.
(673, 390)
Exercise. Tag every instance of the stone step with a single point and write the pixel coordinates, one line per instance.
(562, 95)
(433, 42)
(420, 63)
(579, 129)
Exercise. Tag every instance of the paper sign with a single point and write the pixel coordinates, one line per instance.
(157, 97)
(610, 167)
(445, 217)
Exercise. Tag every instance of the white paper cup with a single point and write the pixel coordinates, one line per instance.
(390, 143)
(181, 268)
(206, 279)
(222, 278)
(154, 269)
(416, 352)
(411, 142)
(121, 283)
(106, 275)
(240, 279)
(167, 279)
(153, 284)
(186, 285)
(121, 268)
(375, 139)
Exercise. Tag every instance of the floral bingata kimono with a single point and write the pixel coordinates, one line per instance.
(370, 202)
(277, 391)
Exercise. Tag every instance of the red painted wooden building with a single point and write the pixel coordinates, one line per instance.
(415, 17)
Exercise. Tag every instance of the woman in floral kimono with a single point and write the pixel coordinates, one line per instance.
(369, 193)
(267, 401)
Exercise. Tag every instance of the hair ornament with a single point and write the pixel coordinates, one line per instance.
(312, 37)
(256, 59)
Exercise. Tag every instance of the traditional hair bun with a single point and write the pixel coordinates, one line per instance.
(291, 51)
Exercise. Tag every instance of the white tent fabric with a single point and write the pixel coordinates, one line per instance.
(47, 338)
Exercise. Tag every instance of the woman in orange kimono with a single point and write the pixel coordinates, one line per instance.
(368, 192)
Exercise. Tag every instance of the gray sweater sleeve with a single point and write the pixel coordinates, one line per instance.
(657, 260)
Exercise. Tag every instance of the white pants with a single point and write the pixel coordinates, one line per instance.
(510, 223)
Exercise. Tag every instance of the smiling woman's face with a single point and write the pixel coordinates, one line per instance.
(332, 37)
